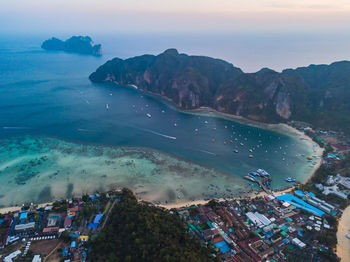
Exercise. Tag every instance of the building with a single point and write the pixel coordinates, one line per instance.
(258, 219)
(12, 256)
(52, 221)
(23, 227)
(36, 258)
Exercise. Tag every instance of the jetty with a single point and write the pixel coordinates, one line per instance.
(263, 183)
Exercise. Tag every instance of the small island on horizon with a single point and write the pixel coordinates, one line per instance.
(75, 44)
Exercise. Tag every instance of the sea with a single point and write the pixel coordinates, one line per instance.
(63, 136)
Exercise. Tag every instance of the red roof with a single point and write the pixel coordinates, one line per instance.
(50, 229)
(74, 209)
(218, 239)
(67, 222)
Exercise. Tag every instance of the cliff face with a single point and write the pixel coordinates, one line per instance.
(75, 44)
(189, 81)
(268, 96)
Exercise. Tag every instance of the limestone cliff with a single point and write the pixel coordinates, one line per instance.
(194, 81)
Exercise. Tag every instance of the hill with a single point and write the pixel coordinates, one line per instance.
(141, 232)
(315, 94)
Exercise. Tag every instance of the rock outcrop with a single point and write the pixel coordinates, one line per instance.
(75, 44)
(309, 94)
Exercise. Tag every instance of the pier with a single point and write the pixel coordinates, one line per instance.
(261, 182)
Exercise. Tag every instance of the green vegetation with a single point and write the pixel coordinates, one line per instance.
(141, 232)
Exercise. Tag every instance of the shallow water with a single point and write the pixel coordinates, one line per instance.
(37, 169)
(48, 94)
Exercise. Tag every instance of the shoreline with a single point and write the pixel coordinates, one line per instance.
(5, 210)
(343, 251)
(203, 202)
(280, 128)
(186, 203)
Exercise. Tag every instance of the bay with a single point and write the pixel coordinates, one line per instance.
(48, 95)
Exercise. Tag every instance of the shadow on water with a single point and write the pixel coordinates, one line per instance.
(45, 195)
(70, 188)
(171, 194)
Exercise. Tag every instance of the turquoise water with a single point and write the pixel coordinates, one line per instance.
(48, 94)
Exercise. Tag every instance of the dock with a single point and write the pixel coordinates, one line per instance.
(261, 183)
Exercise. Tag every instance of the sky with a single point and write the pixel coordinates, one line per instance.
(173, 15)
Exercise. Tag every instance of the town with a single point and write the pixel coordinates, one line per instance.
(276, 226)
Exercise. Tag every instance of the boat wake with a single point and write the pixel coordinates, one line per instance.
(85, 130)
(158, 134)
(15, 127)
(207, 152)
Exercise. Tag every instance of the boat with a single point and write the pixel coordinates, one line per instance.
(309, 158)
(249, 178)
(251, 150)
(175, 124)
(262, 172)
(213, 140)
(236, 151)
(251, 156)
(290, 179)
(148, 115)
(253, 174)
(205, 122)
(107, 107)
(348, 236)
(241, 144)
(225, 143)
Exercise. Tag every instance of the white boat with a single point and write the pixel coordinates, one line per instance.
(290, 179)
(262, 172)
(148, 115)
(107, 107)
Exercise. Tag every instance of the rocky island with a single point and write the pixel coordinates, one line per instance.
(316, 94)
(75, 44)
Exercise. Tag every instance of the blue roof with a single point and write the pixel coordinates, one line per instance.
(299, 193)
(73, 244)
(23, 215)
(98, 218)
(312, 194)
(300, 204)
(222, 246)
(94, 197)
(92, 225)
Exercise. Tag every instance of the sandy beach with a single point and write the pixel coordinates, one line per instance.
(203, 202)
(280, 128)
(5, 210)
(343, 250)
